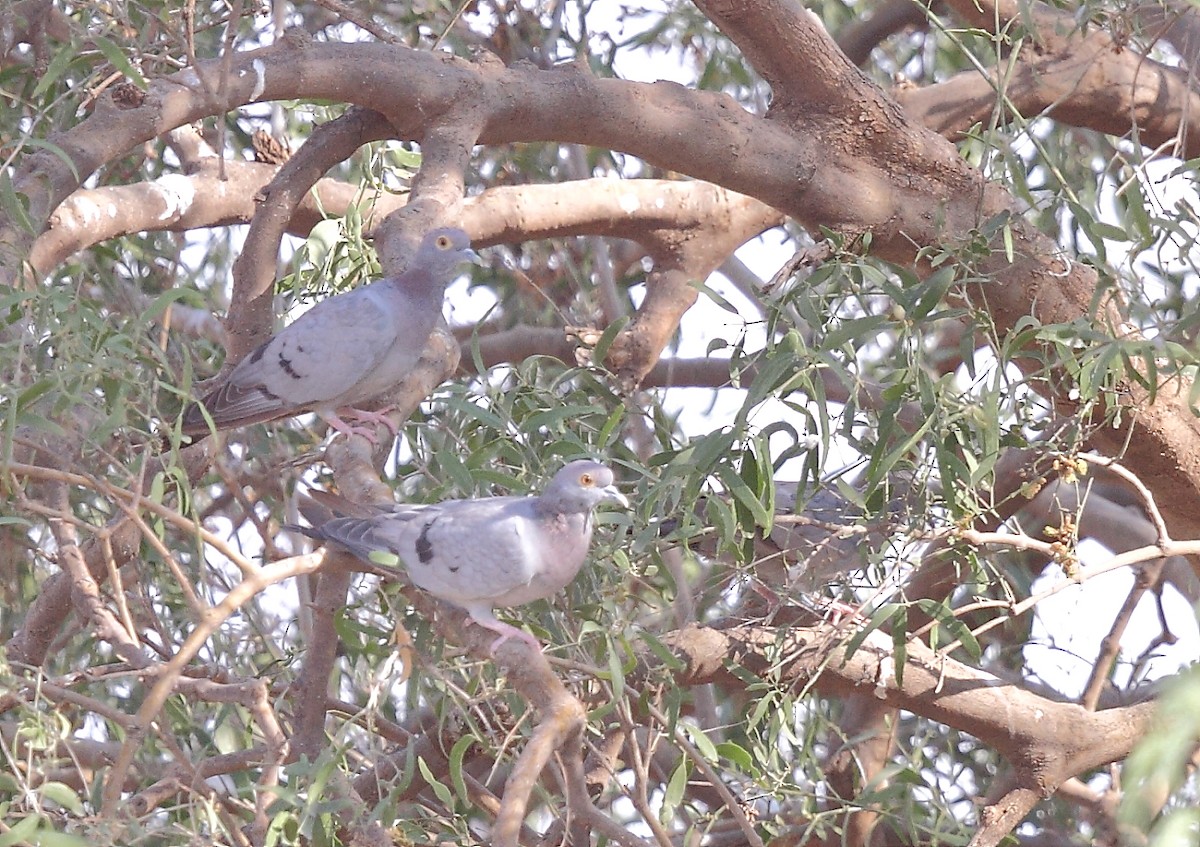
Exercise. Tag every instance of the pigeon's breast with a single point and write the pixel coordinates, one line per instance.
(555, 557)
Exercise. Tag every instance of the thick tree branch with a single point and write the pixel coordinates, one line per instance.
(1085, 80)
(1159, 435)
(1047, 741)
(863, 34)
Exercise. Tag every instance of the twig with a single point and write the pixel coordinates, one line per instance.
(212, 620)
(1131, 557)
(639, 795)
(1137, 485)
(1110, 647)
(171, 516)
(710, 773)
(580, 802)
(363, 22)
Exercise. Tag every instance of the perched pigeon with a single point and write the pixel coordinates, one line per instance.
(489, 551)
(342, 352)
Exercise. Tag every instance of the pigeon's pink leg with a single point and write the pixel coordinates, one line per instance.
(379, 416)
(506, 631)
(348, 429)
(835, 611)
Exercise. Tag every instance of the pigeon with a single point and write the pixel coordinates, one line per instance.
(342, 352)
(488, 551)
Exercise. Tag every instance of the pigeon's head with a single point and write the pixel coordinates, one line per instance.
(581, 486)
(444, 249)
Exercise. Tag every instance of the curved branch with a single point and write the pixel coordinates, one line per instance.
(1047, 741)
(1086, 80)
(863, 34)
(250, 316)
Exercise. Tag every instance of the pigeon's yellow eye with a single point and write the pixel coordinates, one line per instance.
(443, 242)
(586, 480)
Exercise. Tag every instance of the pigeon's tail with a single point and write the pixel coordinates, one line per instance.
(231, 406)
(325, 506)
(355, 535)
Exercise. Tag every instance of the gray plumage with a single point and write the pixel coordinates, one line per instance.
(343, 352)
(489, 551)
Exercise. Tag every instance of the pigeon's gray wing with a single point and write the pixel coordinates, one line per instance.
(466, 551)
(314, 360)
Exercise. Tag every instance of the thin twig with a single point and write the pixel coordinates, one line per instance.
(1110, 647)
(211, 621)
(101, 486)
(361, 21)
(710, 773)
(1137, 485)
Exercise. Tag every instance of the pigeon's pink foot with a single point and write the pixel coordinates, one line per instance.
(507, 631)
(374, 418)
(835, 611)
(349, 429)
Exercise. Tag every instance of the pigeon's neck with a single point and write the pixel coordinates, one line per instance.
(544, 509)
(419, 289)
(571, 523)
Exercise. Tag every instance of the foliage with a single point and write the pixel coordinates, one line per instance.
(885, 390)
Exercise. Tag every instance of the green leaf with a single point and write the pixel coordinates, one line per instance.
(611, 430)
(21, 831)
(879, 466)
(701, 741)
(457, 752)
(116, 56)
(707, 449)
(473, 410)
(669, 660)
(63, 795)
(955, 628)
(55, 69)
(615, 668)
(857, 329)
(737, 755)
(716, 298)
(556, 415)
(607, 338)
(442, 792)
(283, 829)
(676, 786)
(881, 616)
(772, 373)
(50, 838)
(743, 496)
(935, 291)
(385, 558)
(900, 642)
(1109, 232)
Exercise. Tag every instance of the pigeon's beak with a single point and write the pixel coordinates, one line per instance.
(609, 494)
(471, 256)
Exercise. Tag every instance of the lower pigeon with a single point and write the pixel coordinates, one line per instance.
(484, 552)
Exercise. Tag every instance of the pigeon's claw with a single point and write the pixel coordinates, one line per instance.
(372, 417)
(507, 631)
(348, 429)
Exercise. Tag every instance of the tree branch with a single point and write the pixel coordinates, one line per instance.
(1047, 741)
